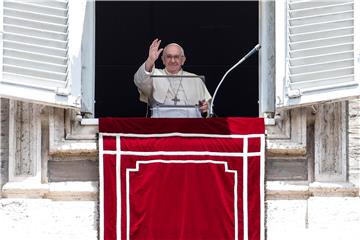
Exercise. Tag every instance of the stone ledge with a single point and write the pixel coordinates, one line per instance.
(285, 190)
(304, 190)
(90, 121)
(284, 148)
(79, 191)
(319, 189)
(69, 148)
(73, 191)
(24, 189)
(89, 190)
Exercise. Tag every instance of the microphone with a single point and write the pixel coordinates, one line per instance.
(255, 49)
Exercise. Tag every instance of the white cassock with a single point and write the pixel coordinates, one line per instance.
(160, 91)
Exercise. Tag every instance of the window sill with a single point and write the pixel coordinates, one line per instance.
(276, 190)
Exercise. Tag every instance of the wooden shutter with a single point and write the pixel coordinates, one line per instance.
(320, 51)
(36, 61)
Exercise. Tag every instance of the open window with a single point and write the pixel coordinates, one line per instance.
(41, 51)
(215, 35)
(317, 51)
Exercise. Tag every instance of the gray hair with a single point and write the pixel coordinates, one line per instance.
(173, 44)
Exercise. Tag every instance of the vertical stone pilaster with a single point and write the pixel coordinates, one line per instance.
(24, 142)
(354, 141)
(4, 140)
(331, 142)
(44, 144)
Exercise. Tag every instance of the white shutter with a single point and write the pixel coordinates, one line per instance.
(36, 61)
(318, 59)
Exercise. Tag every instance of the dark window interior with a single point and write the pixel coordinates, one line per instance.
(215, 35)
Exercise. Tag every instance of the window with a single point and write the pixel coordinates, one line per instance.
(215, 35)
(48, 51)
(317, 51)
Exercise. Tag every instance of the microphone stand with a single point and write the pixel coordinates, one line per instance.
(255, 49)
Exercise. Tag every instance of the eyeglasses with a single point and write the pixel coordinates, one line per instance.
(175, 57)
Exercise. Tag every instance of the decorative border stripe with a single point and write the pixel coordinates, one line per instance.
(236, 222)
(177, 134)
(185, 153)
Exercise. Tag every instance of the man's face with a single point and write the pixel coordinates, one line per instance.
(173, 59)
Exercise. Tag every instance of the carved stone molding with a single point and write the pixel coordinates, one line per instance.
(4, 141)
(24, 142)
(354, 141)
(331, 142)
(288, 135)
(35, 130)
(67, 137)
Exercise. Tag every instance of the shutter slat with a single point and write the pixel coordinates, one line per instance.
(315, 11)
(17, 53)
(45, 26)
(34, 7)
(35, 72)
(322, 50)
(321, 18)
(321, 26)
(60, 52)
(53, 3)
(321, 34)
(46, 66)
(324, 83)
(321, 42)
(321, 66)
(321, 58)
(35, 16)
(14, 78)
(312, 4)
(309, 76)
(35, 32)
(26, 39)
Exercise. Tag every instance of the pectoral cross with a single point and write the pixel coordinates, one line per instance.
(175, 99)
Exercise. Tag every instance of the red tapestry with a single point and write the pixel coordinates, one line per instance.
(190, 179)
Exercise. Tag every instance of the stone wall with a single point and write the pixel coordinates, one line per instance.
(325, 218)
(35, 219)
(62, 202)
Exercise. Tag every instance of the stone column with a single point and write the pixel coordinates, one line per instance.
(24, 151)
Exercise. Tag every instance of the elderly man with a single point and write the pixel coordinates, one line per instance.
(175, 91)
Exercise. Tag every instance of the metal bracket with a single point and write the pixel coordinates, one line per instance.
(295, 93)
(314, 109)
(62, 92)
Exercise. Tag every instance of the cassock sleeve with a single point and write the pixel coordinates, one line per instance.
(144, 83)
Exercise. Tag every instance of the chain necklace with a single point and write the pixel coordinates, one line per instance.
(175, 99)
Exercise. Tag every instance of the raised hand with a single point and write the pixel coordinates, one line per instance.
(154, 53)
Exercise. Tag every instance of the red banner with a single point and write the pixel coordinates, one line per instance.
(181, 178)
